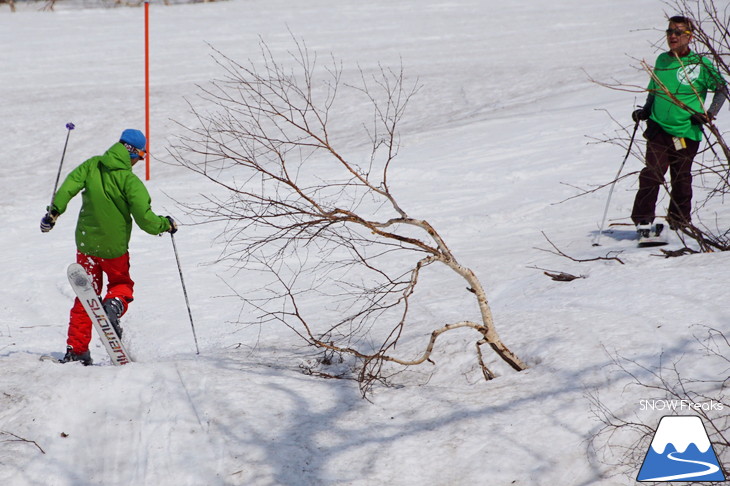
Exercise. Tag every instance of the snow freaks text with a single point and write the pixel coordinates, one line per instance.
(679, 405)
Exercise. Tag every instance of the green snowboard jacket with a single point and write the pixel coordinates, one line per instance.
(112, 196)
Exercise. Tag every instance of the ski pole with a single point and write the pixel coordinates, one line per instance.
(610, 192)
(185, 292)
(69, 126)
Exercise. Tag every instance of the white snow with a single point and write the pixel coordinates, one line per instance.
(499, 135)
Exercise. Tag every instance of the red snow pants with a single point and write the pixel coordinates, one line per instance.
(119, 284)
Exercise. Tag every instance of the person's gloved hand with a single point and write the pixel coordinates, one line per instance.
(700, 119)
(173, 225)
(48, 221)
(640, 114)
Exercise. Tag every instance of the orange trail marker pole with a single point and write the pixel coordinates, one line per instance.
(147, 84)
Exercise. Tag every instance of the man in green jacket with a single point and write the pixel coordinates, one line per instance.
(675, 113)
(112, 195)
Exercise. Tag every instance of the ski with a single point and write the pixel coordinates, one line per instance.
(652, 237)
(81, 283)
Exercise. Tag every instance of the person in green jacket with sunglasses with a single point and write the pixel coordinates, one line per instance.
(675, 116)
(112, 196)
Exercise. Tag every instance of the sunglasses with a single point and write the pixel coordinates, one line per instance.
(139, 153)
(677, 32)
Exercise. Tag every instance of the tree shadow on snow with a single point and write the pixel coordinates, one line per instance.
(298, 430)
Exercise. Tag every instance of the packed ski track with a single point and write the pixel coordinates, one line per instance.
(501, 137)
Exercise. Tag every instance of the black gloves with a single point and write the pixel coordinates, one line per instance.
(173, 226)
(699, 119)
(696, 118)
(48, 221)
(640, 114)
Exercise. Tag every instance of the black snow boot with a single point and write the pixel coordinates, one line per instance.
(71, 356)
(114, 309)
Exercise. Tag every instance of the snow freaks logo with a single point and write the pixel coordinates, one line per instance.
(680, 451)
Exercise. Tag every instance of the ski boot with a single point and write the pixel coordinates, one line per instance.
(651, 235)
(643, 230)
(83, 358)
(114, 309)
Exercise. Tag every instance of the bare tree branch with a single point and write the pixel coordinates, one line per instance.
(17, 438)
(559, 252)
(320, 223)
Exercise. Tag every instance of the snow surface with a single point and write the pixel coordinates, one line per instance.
(499, 135)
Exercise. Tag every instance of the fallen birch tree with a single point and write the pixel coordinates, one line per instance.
(324, 226)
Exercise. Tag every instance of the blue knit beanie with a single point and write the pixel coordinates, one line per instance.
(133, 137)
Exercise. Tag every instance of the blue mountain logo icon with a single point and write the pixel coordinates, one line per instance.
(680, 451)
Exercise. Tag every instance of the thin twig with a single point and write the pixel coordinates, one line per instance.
(17, 438)
(559, 252)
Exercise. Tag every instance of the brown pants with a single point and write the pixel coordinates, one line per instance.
(660, 156)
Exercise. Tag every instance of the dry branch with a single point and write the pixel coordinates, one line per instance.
(559, 252)
(17, 438)
(319, 224)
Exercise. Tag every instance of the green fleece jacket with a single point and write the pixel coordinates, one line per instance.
(112, 196)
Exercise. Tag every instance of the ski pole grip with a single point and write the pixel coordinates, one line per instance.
(70, 126)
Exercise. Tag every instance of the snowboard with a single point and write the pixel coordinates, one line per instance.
(655, 237)
(81, 283)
